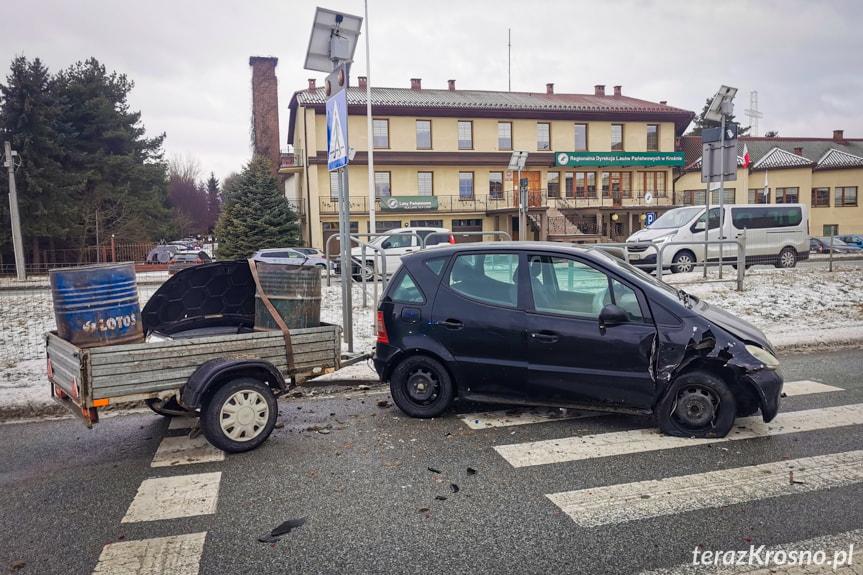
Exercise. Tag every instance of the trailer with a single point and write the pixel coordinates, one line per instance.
(202, 356)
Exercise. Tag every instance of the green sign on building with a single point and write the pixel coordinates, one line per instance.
(579, 159)
(408, 203)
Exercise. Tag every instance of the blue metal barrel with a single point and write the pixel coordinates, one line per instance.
(97, 305)
(295, 292)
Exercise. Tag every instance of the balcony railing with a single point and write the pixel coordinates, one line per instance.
(289, 160)
(509, 201)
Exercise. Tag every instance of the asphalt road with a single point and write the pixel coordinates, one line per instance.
(384, 493)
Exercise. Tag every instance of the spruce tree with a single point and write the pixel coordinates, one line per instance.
(256, 214)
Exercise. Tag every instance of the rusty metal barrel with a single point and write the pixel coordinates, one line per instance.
(295, 292)
(97, 305)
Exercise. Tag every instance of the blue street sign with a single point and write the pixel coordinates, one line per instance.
(649, 218)
(337, 131)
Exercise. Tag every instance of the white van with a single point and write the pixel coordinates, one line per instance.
(394, 245)
(775, 234)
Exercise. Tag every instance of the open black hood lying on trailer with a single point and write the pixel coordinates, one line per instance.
(206, 295)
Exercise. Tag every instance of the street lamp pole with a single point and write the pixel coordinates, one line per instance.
(17, 243)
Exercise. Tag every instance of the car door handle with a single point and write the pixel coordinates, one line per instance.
(451, 324)
(545, 336)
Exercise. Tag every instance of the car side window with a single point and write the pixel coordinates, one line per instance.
(625, 298)
(398, 241)
(436, 265)
(564, 286)
(489, 278)
(406, 290)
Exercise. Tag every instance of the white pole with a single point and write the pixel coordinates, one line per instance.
(372, 225)
(17, 243)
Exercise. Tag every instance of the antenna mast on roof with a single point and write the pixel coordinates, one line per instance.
(753, 113)
(509, 60)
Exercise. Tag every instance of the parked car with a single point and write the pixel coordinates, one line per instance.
(289, 256)
(388, 250)
(852, 240)
(553, 324)
(161, 254)
(823, 245)
(186, 259)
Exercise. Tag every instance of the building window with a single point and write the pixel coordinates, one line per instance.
(580, 137)
(617, 137)
(616, 185)
(495, 185)
(820, 197)
(543, 136)
(553, 184)
(334, 185)
(424, 135)
(465, 135)
(787, 195)
(425, 184)
(382, 184)
(759, 196)
(504, 135)
(381, 133)
(569, 185)
(465, 185)
(426, 223)
(652, 137)
(653, 182)
(585, 184)
(845, 196)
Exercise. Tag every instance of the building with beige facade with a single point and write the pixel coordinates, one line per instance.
(597, 163)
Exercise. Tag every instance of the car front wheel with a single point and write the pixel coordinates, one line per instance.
(240, 415)
(421, 387)
(683, 262)
(698, 404)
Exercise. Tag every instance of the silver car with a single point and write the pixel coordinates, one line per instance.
(289, 256)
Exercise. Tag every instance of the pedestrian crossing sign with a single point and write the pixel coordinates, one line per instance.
(337, 131)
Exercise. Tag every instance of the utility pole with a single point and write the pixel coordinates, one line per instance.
(17, 244)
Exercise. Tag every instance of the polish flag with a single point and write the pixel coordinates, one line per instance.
(746, 159)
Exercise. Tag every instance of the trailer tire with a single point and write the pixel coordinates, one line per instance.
(240, 415)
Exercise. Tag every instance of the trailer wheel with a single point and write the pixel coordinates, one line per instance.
(240, 415)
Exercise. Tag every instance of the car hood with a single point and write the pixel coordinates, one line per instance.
(211, 293)
(647, 234)
(733, 324)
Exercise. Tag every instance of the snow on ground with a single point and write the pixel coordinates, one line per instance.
(806, 308)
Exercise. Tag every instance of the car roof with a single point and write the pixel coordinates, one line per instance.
(492, 246)
(270, 250)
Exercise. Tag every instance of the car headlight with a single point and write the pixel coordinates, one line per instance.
(768, 359)
(664, 239)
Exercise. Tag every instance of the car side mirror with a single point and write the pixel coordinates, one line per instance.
(698, 227)
(612, 315)
(386, 245)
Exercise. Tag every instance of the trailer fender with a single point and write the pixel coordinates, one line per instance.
(210, 375)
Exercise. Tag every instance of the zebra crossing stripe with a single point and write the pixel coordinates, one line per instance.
(172, 497)
(645, 499)
(180, 450)
(807, 387)
(178, 555)
(641, 440)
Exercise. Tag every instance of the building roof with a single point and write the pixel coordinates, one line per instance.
(489, 104)
(780, 153)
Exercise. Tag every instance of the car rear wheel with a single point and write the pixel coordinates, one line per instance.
(787, 258)
(421, 387)
(240, 415)
(683, 262)
(365, 271)
(698, 404)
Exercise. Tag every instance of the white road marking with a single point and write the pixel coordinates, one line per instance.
(835, 549)
(644, 499)
(180, 450)
(172, 497)
(641, 440)
(807, 387)
(522, 416)
(178, 555)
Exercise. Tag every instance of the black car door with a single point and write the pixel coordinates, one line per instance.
(476, 317)
(571, 358)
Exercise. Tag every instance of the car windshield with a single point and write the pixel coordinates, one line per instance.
(675, 218)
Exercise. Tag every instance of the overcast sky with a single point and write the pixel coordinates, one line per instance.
(189, 59)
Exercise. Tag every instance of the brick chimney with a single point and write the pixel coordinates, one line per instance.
(549, 88)
(663, 102)
(312, 87)
(617, 90)
(451, 85)
(798, 151)
(838, 135)
(599, 90)
(363, 80)
(416, 84)
(265, 109)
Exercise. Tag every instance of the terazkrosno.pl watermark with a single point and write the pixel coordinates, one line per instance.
(774, 557)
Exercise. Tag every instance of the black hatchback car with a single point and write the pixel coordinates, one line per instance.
(557, 325)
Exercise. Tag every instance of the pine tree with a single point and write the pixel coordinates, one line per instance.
(256, 214)
(214, 202)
